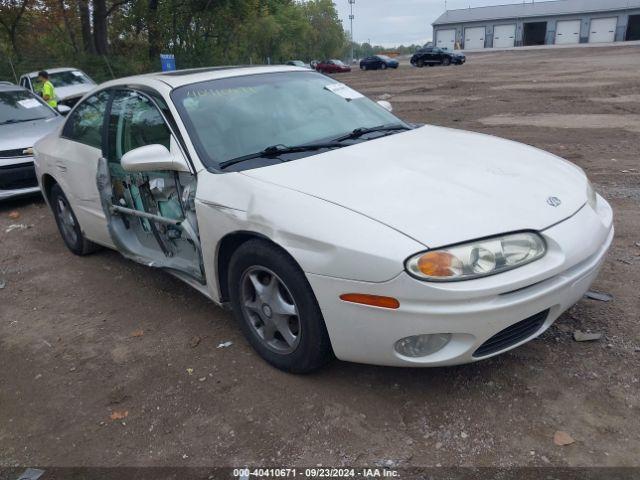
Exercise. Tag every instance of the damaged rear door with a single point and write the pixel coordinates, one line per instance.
(151, 213)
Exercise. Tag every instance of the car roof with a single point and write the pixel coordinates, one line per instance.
(10, 87)
(178, 78)
(52, 70)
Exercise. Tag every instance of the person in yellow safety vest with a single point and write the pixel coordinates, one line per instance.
(48, 92)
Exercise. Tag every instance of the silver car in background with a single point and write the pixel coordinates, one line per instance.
(70, 84)
(24, 119)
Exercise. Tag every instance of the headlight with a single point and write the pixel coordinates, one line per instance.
(477, 259)
(592, 196)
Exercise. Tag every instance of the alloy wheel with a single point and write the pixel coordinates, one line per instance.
(270, 310)
(67, 221)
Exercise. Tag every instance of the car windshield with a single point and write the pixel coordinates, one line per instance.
(21, 106)
(67, 78)
(234, 117)
(384, 57)
(338, 62)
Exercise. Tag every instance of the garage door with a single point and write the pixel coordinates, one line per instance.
(504, 36)
(446, 39)
(603, 30)
(474, 38)
(568, 31)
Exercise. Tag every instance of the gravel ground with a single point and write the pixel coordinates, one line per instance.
(104, 362)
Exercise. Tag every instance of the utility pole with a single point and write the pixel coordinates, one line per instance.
(351, 17)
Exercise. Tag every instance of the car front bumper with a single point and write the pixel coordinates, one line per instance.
(17, 177)
(473, 311)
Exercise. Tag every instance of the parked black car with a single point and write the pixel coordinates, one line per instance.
(378, 62)
(436, 56)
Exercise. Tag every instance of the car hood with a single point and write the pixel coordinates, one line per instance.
(25, 134)
(440, 186)
(73, 91)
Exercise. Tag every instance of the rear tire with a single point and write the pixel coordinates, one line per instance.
(277, 309)
(383, 66)
(446, 62)
(420, 63)
(68, 224)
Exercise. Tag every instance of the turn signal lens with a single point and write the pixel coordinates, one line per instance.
(477, 259)
(371, 300)
(439, 264)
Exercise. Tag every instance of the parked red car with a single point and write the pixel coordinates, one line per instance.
(332, 66)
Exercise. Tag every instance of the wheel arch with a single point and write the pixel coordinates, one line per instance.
(47, 183)
(227, 246)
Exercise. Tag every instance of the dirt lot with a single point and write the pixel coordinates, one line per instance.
(82, 338)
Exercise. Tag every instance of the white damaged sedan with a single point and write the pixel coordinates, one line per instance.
(330, 226)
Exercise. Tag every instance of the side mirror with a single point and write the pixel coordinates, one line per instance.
(386, 105)
(152, 157)
(63, 109)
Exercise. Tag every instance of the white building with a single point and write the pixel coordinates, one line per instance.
(540, 23)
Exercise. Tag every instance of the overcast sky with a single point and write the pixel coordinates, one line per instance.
(395, 22)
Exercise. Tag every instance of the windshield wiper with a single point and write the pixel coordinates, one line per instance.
(276, 150)
(359, 132)
(13, 120)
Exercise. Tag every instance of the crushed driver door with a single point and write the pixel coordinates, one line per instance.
(151, 214)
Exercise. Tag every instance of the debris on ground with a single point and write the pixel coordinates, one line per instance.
(14, 215)
(137, 333)
(225, 345)
(2, 284)
(17, 226)
(195, 341)
(190, 371)
(31, 474)
(384, 96)
(562, 439)
(600, 296)
(119, 415)
(579, 336)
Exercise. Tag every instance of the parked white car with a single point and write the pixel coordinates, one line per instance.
(327, 223)
(70, 84)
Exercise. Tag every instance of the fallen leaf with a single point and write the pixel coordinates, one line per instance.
(14, 215)
(119, 415)
(190, 371)
(225, 345)
(562, 439)
(137, 333)
(195, 341)
(579, 336)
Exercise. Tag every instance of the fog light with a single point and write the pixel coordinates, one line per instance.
(422, 345)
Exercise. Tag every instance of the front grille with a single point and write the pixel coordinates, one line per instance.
(18, 152)
(14, 177)
(512, 335)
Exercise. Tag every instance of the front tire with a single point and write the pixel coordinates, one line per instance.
(68, 224)
(383, 66)
(446, 62)
(277, 309)
(420, 63)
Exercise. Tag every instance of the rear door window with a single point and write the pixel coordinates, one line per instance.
(85, 123)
